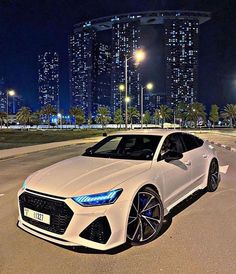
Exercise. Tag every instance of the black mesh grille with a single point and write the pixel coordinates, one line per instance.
(60, 213)
(98, 231)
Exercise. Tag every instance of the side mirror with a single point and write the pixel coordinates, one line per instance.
(172, 156)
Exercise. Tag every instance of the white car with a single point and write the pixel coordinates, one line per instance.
(119, 190)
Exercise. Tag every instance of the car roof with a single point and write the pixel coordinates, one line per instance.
(155, 132)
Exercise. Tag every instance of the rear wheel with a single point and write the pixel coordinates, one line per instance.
(146, 217)
(213, 176)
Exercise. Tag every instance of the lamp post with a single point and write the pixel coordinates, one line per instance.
(9, 93)
(148, 86)
(121, 89)
(139, 56)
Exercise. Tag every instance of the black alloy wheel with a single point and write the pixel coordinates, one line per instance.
(145, 218)
(213, 176)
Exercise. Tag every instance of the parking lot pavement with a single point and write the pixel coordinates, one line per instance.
(198, 236)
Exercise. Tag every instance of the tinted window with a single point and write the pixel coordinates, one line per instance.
(191, 141)
(172, 142)
(137, 147)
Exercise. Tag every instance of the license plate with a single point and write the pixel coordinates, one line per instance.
(41, 217)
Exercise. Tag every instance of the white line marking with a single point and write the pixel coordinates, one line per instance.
(224, 169)
(1, 195)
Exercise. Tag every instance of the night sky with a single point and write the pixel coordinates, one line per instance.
(28, 27)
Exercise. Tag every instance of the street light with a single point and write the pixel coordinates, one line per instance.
(149, 86)
(12, 94)
(59, 117)
(139, 56)
(121, 89)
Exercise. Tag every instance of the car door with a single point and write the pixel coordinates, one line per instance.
(194, 149)
(176, 174)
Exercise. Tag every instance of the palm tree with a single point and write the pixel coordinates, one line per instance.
(229, 113)
(165, 114)
(103, 116)
(47, 111)
(182, 112)
(196, 111)
(78, 115)
(90, 119)
(132, 113)
(23, 115)
(35, 118)
(3, 116)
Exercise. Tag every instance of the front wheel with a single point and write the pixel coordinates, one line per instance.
(145, 218)
(213, 176)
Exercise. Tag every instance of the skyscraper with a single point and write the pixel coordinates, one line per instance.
(48, 79)
(3, 96)
(125, 40)
(82, 48)
(102, 91)
(181, 42)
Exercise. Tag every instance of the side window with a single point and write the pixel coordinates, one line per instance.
(191, 142)
(172, 142)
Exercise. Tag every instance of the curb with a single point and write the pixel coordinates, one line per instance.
(223, 146)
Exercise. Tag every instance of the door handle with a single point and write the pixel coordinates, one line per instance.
(188, 163)
(205, 156)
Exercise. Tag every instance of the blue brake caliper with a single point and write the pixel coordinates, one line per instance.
(143, 202)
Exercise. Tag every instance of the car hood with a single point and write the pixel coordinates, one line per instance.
(84, 175)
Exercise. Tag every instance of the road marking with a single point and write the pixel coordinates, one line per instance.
(1, 195)
(224, 169)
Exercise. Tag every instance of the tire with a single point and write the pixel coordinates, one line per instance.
(145, 218)
(213, 176)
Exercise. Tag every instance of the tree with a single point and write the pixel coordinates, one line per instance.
(132, 113)
(214, 114)
(103, 116)
(147, 118)
(78, 115)
(182, 113)
(90, 119)
(35, 118)
(47, 111)
(3, 116)
(23, 115)
(229, 113)
(165, 114)
(196, 111)
(118, 119)
(156, 116)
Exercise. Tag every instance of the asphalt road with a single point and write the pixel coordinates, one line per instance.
(198, 237)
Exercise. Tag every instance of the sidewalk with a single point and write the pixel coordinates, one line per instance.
(14, 152)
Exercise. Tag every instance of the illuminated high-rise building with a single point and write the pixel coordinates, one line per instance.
(48, 79)
(125, 40)
(102, 91)
(82, 51)
(3, 96)
(181, 43)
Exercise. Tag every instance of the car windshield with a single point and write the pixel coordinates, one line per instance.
(134, 147)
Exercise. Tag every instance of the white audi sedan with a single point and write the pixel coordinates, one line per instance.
(119, 190)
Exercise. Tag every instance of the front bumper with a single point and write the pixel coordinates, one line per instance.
(116, 215)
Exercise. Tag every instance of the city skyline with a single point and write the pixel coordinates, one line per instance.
(216, 88)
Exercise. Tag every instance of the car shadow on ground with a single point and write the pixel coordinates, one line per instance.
(166, 224)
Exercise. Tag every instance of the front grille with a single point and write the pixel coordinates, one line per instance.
(98, 231)
(60, 213)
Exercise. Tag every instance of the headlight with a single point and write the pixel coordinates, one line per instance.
(24, 186)
(104, 198)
